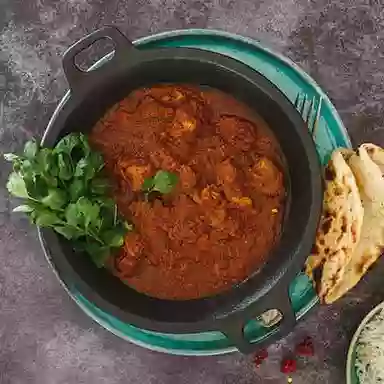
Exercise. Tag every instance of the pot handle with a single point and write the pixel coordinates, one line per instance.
(234, 329)
(77, 78)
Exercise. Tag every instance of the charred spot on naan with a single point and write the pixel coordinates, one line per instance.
(326, 225)
(344, 223)
(329, 172)
(315, 249)
(370, 150)
(325, 286)
(338, 191)
(354, 231)
(329, 214)
(346, 153)
(317, 273)
(362, 266)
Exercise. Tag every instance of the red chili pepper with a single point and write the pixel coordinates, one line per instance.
(305, 348)
(260, 357)
(288, 366)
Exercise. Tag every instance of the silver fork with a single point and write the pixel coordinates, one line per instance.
(309, 111)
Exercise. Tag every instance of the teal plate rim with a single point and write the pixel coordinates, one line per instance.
(350, 372)
(291, 79)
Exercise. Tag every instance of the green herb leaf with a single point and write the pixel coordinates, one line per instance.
(89, 211)
(107, 216)
(75, 145)
(55, 199)
(164, 181)
(97, 224)
(23, 208)
(81, 167)
(43, 160)
(46, 218)
(77, 188)
(53, 170)
(99, 186)
(97, 161)
(16, 185)
(65, 170)
(72, 215)
(148, 184)
(30, 149)
(106, 202)
(68, 143)
(11, 157)
(85, 169)
(37, 186)
(114, 237)
(84, 145)
(99, 254)
(89, 166)
(83, 213)
(68, 232)
(32, 216)
(26, 168)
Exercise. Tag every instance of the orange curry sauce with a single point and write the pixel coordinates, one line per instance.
(221, 220)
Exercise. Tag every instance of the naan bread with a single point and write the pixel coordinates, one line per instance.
(340, 225)
(367, 166)
(376, 154)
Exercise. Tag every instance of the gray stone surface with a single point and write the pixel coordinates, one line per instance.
(44, 337)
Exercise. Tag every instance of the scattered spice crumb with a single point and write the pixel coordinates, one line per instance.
(305, 348)
(260, 357)
(288, 366)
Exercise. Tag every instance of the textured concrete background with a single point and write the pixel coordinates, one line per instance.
(44, 336)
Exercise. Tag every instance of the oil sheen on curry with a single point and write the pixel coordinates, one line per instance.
(219, 223)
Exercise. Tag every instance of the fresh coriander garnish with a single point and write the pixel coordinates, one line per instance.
(162, 181)
(63, 188)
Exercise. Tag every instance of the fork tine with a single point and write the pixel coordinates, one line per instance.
(303, 105)
(317, 117)
(297, 100)
(310, 115)
(310, 110)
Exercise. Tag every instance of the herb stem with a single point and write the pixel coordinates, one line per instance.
(32, 199)
(115, 215)
(97, 238)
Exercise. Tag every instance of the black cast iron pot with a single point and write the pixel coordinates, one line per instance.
(92, 92)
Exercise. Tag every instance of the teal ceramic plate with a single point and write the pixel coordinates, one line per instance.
(351, 375)
(330, 134)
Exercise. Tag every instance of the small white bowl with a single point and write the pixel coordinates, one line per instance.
(350, 367)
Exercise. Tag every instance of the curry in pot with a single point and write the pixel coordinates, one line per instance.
(224, 215)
